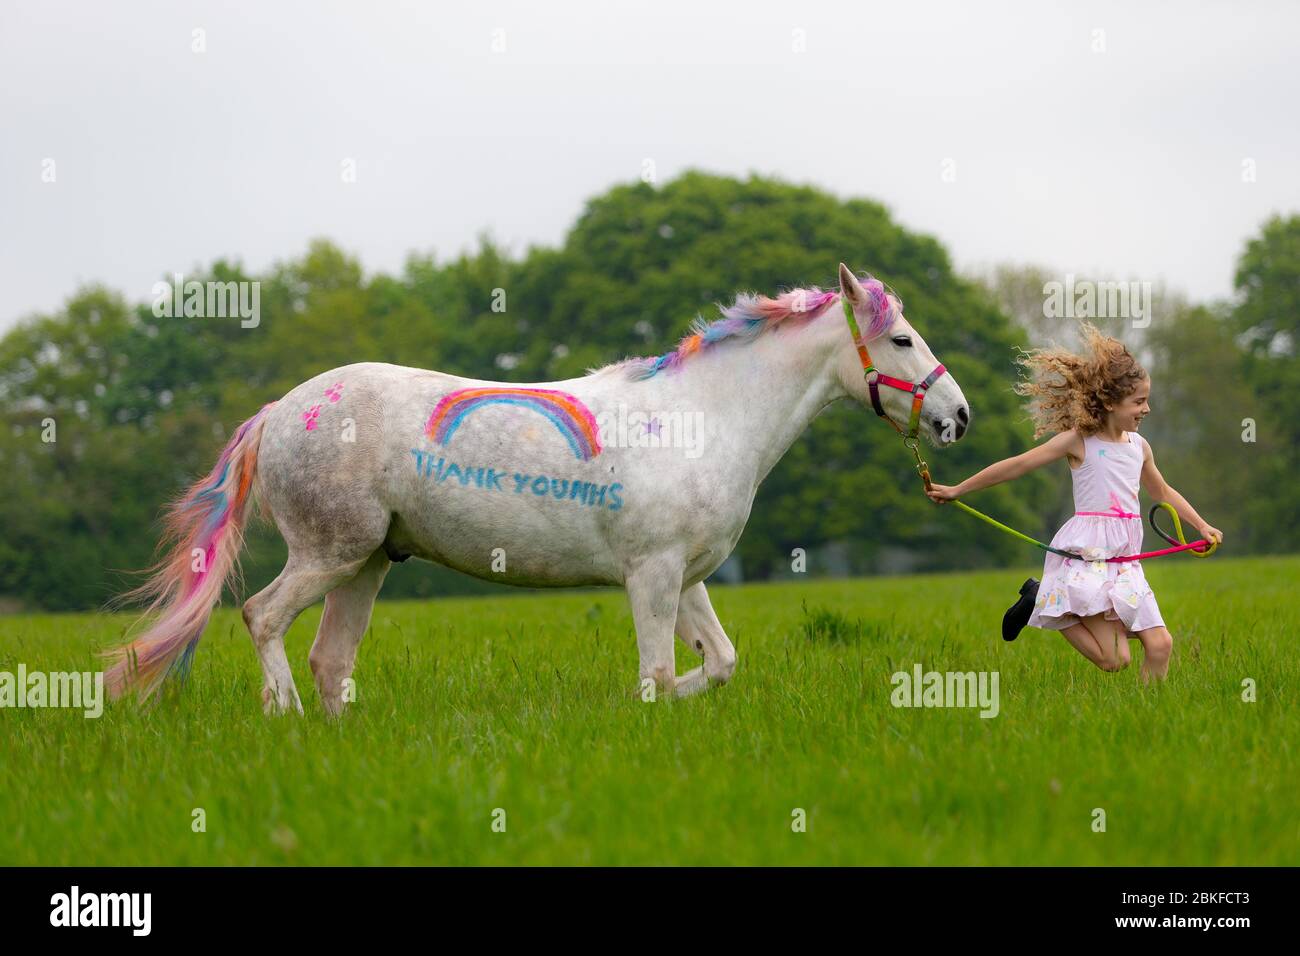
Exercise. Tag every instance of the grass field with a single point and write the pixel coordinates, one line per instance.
(527, 704)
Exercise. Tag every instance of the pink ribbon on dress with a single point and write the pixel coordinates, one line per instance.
(1116, 510)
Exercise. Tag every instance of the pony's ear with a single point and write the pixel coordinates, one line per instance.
(852, 289)
(870, 302)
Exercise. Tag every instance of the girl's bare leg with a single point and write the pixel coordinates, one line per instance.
(1157, 648)
(1082, 640)
(1103, 642)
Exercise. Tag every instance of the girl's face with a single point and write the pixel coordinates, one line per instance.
(1129, 413)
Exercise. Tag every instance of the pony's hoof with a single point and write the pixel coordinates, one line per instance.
(275, 704)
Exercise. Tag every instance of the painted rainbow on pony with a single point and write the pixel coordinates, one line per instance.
(751, 315)
(568, 414)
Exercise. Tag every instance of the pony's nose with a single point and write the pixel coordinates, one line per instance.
(963, 420)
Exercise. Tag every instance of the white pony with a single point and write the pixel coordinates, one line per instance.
(640, 474)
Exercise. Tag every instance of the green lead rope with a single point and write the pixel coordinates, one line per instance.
(1012, 531)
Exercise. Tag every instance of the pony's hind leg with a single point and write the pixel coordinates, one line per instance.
(268, 614)
(699, 629)
(321, 491)
(342, 626)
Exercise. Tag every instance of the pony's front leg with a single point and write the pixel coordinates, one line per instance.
(654, 588)
(700, 630)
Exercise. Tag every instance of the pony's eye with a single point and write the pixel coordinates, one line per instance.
(905, 341)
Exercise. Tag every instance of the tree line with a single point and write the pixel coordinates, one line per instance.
(111, 409)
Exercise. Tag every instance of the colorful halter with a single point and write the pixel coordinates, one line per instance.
(916, 389)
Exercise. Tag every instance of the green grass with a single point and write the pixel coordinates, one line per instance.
(528, 704)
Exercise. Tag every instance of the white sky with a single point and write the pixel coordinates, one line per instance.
(1124, 163)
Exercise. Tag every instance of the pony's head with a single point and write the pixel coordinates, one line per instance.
(898, 351)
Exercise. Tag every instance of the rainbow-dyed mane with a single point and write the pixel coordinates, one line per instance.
(751, 315)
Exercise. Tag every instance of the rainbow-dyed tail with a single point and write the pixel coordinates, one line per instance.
(205, 532)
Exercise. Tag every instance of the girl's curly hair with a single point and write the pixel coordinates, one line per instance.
(1067, 391)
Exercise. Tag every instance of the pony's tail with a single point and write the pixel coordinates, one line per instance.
(203, 537)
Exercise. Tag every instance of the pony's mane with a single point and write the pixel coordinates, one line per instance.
(751, 315)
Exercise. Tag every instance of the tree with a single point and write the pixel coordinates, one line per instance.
(1267, 318)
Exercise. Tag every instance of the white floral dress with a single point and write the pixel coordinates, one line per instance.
(1106, 524)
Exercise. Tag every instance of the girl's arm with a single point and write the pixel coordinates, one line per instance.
(1056, 447)
(1155, 485)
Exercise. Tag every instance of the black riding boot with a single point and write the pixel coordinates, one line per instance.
(1017, 615)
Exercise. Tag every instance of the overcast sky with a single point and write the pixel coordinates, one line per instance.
(1125, 161)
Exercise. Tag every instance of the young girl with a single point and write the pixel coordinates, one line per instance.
(1094, 402)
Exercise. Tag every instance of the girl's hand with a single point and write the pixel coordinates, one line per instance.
(1211, 534)
(942, 494)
